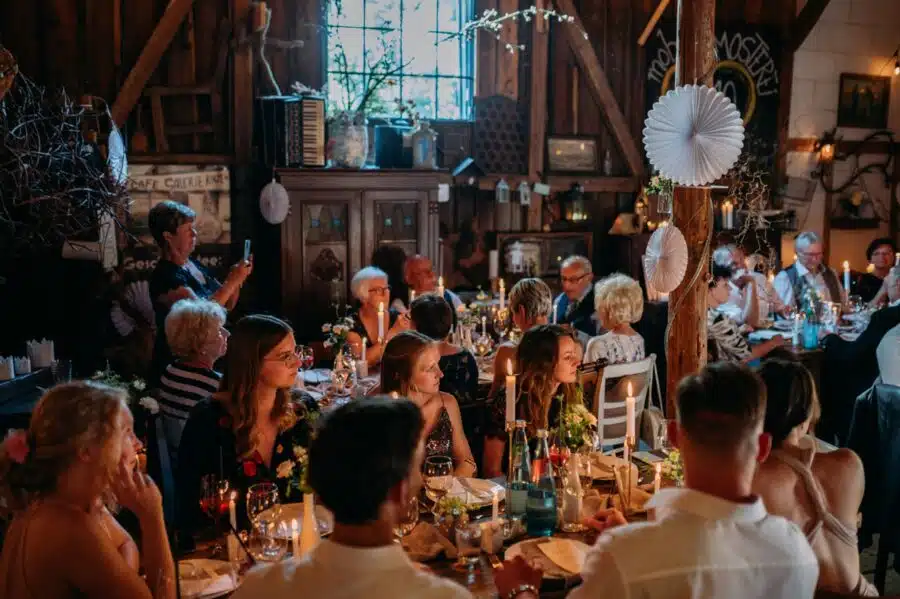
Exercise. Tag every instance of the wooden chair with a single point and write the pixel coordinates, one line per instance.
(159, 466)
(642, 373)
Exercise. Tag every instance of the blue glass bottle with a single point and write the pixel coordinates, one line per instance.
(518, 476)
(540, 508)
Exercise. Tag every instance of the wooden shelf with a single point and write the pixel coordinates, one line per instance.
(591, 183)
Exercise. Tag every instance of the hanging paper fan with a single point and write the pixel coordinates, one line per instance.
(136, 311)
(693, 135)
(274, 202)
(666, 259)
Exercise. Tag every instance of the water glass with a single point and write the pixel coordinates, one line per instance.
(260, 498)
(269, 539)
(407, 518)
(468, 544)
(61, 370)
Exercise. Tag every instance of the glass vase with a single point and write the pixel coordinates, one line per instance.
(348, 141)
(664, 203)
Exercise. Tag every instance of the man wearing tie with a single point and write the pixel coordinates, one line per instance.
(808, 271)
(575, 305)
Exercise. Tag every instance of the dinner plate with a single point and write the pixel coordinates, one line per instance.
(294, 511)
(205, 578)
(783, 325)
(530, 551)
(476, 492)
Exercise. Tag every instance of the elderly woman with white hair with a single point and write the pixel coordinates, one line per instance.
(370, 287)
(196, 334)
(619, 302)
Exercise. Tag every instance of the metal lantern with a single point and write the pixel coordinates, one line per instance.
(502, 192)
(573, 203)
(524, 194)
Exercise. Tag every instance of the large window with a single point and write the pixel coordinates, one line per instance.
(412, 46)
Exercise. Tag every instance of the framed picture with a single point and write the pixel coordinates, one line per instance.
(572, 154)
(863, 101)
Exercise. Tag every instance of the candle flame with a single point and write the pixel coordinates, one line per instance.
(440, 281)
(846, 265)
(502, 284)
(381, 307)
(395, 395)
(658, 468)
(295, 526)
(509, 369)
(870, 268)
(629, 390)
(234, 496)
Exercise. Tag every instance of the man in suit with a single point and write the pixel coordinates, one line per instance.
(809, 271)
(575, 305)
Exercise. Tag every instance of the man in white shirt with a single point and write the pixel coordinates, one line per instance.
(365, 464)
(808, 271)
(748, 290)
(418, 272)
(713, 538)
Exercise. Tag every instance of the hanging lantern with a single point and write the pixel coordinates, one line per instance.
(524, 194)
(573, 203)
(501, 193)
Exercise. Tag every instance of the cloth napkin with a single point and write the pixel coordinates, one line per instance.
(461, 488)
(565, 553)
(766, 334)
(426, 542)
(205, 581)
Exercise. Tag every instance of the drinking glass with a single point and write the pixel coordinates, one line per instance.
(662, 438)
(260, 498)
(438, 474)
(269, 539)
(61, 370)
(585, 469)
(307, 357)
(468, 545)
(407, 518)
(214, 496)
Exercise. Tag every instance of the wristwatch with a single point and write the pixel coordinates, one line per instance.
(522, 588)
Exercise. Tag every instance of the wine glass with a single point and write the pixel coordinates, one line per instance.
(468, 545)
(438, 474)
(213, 496)
(268, 539)
(407, 518)
(307, 357)
(261, 498)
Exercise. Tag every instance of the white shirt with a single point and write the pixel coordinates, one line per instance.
(888, 354)
(766, 297)
(617, 348)
(701, 547)
(333, 571)
(785, 290)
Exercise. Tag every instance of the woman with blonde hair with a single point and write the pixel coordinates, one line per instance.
(410, 368)
(77, 457)
(547, 361)
(251, 430)
(619, 302)
(370, 286)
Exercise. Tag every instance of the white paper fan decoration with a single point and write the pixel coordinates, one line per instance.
(274, 202)
(666, 259)
(693, 135)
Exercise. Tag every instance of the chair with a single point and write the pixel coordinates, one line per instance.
(642, 384)
(159, 466)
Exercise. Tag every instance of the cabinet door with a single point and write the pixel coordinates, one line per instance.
(398, 218)
(320, 253)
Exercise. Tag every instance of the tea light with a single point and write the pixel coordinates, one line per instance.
(295, 537)
(380, 322)
(440, 286)
(657, 478)
(510, 392)
(502, 294)
(847, 276)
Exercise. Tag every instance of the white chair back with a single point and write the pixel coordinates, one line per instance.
(643, 367)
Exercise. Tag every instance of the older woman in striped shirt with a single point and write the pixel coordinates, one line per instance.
(195, 331)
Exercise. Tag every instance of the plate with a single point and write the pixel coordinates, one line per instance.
(205, 578)
(783, 325)
(294, 511)
(530, 551)
(477, 492)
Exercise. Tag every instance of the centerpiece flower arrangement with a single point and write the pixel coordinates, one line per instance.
(659, 185)
(450, 512)
(577, 426)
(673, 468)
(294, 471)
(142, 405)
(336, 333)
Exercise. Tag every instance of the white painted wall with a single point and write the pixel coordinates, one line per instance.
(852, 36)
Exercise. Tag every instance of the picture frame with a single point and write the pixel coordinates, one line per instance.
(863, 101)
(572, 153)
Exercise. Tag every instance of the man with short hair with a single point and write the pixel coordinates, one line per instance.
(712, 538)
(575, 305)
(418, 272)
(808, 271)
(364, 464)
(751, 298)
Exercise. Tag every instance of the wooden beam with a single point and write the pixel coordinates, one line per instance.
(686, 348)
(179, 159)
(150, 56)
(242, 92)
(785, 87)
(807, 144)
(804, 23)
(654, 19)
(537, 128)
(599, 86)
(508, 62)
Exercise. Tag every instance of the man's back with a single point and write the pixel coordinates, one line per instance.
(701, 547)
(334, 571)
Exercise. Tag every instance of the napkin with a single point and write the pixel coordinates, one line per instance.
(460, 487)
(564, 553)
(40, 352)
(765, 335)
(22, 365)
(199, 578)
(426, 542)
(7, 368)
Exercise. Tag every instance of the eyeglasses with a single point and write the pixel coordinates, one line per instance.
(574, 279)
(385, 289)
(812, 254)
(288, 357)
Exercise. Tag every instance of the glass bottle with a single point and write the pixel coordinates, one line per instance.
(519, 473)
(540, 507)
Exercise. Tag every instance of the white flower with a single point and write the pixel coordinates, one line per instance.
(99, 374)
(139, 384)
(149, 404)
(285, 469)
(300, 453)
(326, 327)
(339, 329)
(328, 343)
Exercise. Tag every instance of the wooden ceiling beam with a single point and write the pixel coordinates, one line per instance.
(804, 23)
(654, 19)
(149, 59)
(599, 86)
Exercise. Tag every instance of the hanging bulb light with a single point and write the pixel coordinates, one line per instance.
(897, 67)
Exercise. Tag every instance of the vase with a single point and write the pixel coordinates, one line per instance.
(309, 531)
(342, 372)
(664, 203)
(424, 142)
(348, 141)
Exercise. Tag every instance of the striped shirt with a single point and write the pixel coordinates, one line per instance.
(180, 388)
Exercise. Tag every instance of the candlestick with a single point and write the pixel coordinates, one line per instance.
(502, 294)
(629, 451)
(441, 286)
(510, 392)
(657, 477)
(380, 322)
(847, 277)
(295, 537)
(629, 413)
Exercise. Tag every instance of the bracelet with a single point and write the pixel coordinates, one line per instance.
(522, 588)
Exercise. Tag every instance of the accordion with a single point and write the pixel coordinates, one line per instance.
(290, 131)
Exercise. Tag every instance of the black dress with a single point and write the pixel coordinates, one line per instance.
(460, 376)
(868, 286)
(166, 277)
(208, 446)
(360, 329)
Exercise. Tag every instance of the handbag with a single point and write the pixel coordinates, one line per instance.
(653, 420)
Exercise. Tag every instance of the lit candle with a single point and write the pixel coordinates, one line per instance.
(232, 540)
(412, 296)
(395, 395)
(629, 413)
(897, 259)
(295, 537)
(502, 294)
(555, 308)
(795, 258)
(232, 511)
(380, 322)
(771, 277)
(847, 277)
(365, 341)
(441, 286)
(495, 506)
(510, 392)
(657, 478)
(870, 268)
(484, 325)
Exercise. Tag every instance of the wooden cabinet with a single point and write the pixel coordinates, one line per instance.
(337, 219)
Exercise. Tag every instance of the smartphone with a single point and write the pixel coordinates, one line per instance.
(246, 250)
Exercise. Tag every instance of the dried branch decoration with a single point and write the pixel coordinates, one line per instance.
(492, 21)
(55, 186)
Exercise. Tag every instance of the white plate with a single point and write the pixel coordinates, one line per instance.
(294, 511)
(205, 578)
(783, 325)
(477, 492)
(523, 546)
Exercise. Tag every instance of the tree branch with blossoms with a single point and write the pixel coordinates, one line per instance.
(493, 22)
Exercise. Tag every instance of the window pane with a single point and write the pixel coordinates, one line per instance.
(383, 13)
(419, 53)
(419, 14)
(421, 91)
(344, 44)
(382, 50)
(448, 14)
(346, 12)
(449, 98)
(344, 91)
(448, 58)
(383, 102)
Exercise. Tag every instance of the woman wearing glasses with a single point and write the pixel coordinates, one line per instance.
(246, 431)
(370, 286)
